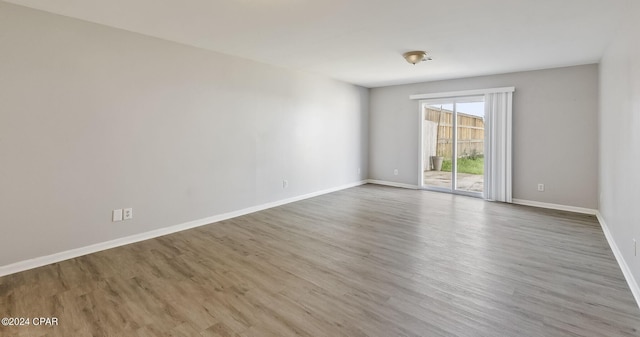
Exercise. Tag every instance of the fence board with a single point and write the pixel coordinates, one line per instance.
(470, 132)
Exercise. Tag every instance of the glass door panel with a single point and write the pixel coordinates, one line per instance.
(470, 146)
(437, 145)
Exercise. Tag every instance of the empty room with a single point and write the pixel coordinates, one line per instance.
(319, 168)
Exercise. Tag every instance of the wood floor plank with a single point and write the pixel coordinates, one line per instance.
(367, 261)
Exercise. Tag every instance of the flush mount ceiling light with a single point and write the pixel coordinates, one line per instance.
(416, 56)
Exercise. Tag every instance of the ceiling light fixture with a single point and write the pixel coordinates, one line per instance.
(416, 56)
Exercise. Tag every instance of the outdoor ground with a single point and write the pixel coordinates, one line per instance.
(466, 181)
(470, 175)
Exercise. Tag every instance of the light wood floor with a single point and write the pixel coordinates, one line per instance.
(367, 261)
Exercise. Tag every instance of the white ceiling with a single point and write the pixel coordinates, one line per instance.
(361, 41)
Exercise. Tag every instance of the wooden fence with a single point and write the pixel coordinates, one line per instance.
(470, 133)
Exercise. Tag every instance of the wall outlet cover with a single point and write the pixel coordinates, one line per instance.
(128, 213)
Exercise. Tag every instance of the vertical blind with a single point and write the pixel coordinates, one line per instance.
(498, 108)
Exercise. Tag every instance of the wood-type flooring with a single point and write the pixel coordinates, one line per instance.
(366, 261)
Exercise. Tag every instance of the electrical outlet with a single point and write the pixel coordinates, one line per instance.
(285, 184)
(540, 187)
(128, 213)
(395, 172)
(635, 248)
(117, 215)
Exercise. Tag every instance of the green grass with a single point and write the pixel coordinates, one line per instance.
(466, 165)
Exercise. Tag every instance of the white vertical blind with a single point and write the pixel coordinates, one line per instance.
(498, 150)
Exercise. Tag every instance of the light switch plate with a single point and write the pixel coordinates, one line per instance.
(117, 215)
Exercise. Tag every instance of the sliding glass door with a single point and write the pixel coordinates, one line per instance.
(453, 145)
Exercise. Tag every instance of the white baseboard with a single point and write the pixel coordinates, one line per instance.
(631, 281)
(555, 206)
(393, 184)
(72, 253)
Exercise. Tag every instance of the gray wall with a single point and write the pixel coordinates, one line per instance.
(94, 118)
(619, 121)
(554, 132)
